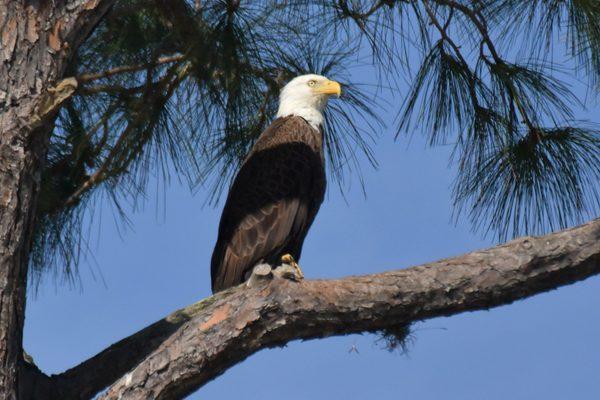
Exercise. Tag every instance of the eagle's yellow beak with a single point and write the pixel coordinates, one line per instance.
(329, 87)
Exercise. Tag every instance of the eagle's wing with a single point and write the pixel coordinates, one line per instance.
(258, 236)
(268, 210)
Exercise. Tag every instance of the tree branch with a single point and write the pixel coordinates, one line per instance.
(182, 352)
(167, 83)
(95, 374)
(479, 23)
(92, 76)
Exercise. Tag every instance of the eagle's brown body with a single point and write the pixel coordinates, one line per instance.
(272, 202)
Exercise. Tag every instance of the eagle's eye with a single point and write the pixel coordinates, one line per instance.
(312, 83)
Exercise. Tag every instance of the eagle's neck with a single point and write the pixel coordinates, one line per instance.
(312, 116)
(311, 111)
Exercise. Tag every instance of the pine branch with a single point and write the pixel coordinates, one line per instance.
(479, 23)
(92, 76)
(107, 170)
(113, 89)
(360, 16)
(180, 353)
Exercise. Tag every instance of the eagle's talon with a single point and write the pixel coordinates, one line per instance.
(286, 271)
(289, 260)
(298, 271)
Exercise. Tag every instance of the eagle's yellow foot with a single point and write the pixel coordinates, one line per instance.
(288, 259)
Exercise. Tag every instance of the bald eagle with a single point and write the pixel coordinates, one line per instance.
(279, 188)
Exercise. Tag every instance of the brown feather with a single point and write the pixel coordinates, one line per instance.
(272, 202)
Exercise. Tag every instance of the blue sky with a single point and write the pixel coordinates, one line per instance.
(543, 348)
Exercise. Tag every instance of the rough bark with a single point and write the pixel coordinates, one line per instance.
(36, 40)
(180, 353)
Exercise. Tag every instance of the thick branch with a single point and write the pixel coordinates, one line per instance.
(93, 375)
(179, 354)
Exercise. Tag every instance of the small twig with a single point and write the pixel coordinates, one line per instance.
(92, 76)
(114, 89)
(358, 16)
(442, 30)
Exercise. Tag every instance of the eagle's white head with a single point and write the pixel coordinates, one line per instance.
(306, 96)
